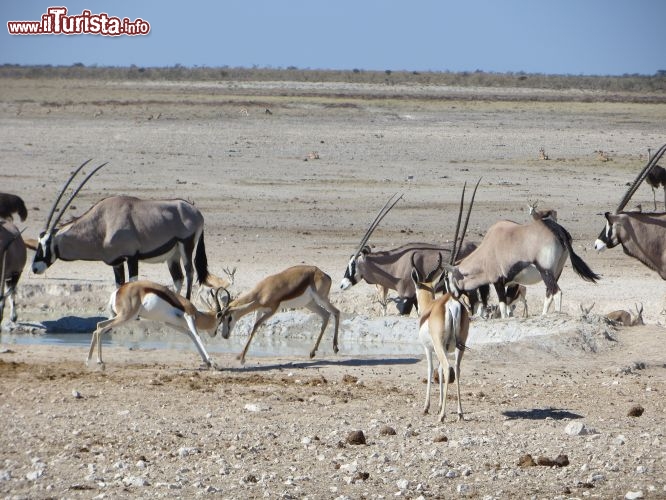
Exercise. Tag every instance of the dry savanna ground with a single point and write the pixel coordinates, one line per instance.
(286, 173)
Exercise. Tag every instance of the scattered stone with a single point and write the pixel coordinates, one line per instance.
(560, 461)
(250, 478)
(387, 431)
(402, 484)
(360, 476)
(349, 379)
(186, 452)
(76, 394)
(633, 495)
(440, 438)
(255, 407)
(578, 429)
(636, 411)
(356, 437)
(526, 461)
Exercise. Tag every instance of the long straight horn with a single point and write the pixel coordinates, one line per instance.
(464, 231)
(71, 198)
(62, 191)
(382, 213)
(454, 250)
(640, 178)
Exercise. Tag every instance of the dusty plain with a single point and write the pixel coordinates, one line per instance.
(289, 173)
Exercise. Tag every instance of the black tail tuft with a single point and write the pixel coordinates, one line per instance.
(201, 261)
(581, 268)
(579, 265)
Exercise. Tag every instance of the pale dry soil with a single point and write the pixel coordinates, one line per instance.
(153, 425)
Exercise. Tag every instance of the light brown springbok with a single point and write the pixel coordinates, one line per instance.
(443, 328)
(295, 287)
(623, 318)
(151, 301)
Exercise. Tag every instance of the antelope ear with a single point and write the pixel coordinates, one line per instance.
(366, 250)
(415, 275)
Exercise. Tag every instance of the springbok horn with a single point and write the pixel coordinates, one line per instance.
(62, 191)
(71, 198)
(464, 231)
(382, 213)
(640, 178)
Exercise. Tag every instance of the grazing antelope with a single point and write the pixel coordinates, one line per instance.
(150, 301)
(123, 229)
(11, 204)
(443, 328)
(656, 177)
(519, 253)
(624, 318)
(391, 269)
(295, 287)
(12, 261)
(642, 235)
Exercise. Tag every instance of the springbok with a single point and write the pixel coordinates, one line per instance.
(295, 287)
(642, 235)
(522, 254)
(150, 301)
(12, 204)
(123, 229)
(12, 261)
(443, 328)
(391, 269)
(656, 177)
(624, 318)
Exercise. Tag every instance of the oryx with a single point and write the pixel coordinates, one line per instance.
(12, 262)
(392, 269)
(123, 229)
(519, 253)
(642, 235)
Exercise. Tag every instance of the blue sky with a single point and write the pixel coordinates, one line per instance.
(592, 37)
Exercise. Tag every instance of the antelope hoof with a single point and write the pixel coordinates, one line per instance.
(241, 358)
(460, 417)
(312, 354)
(335, 348)
(425, 411)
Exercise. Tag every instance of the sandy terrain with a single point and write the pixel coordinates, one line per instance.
(153, 425)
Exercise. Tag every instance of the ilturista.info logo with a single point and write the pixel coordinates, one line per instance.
(56, 21)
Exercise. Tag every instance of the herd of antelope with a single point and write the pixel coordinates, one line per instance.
(123, 230)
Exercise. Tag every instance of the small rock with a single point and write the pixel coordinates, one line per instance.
(402, 484)
(356, 437)
(186, 452)
(76, 394)
(440, 438)
(560, 461)
(349, 379)
(578, 429)
(387, 431)
(34, 475)
(636, 411)
(633, 495)
(253, 407)
(526, 461)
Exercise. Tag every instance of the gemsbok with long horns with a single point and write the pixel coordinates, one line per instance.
(12, 262)
(294, 288)
(392, 269)
(125, 229)
(642, 235)
(523, 254)
(150, 301)
(443, 328)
